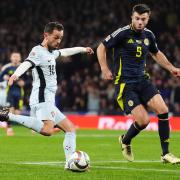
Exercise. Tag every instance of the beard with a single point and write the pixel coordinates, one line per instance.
(51, 48)
(137, 30)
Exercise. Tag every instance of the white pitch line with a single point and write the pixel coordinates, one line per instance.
(124, 161)
(42, 163)
(93, 162)
(93, 135)
(61, 163)
(138, 169)
(84, 135)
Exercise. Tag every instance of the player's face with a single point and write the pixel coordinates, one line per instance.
(54, 39)
(15, 58)
(139, 21)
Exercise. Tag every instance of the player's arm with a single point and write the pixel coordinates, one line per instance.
(109, 42)
(31, 61)
(101, 55)
(161, 59)
(23, 67)
(75, 50)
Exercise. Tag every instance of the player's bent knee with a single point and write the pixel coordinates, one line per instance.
(48, 128)
(47, 133)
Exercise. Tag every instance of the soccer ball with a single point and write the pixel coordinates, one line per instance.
(79, 161)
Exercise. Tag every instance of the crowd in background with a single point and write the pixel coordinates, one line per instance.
(80, 86)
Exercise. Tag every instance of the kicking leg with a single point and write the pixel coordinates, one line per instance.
(44, 127)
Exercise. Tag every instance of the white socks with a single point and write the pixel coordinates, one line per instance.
(69, 144)
(29, 122)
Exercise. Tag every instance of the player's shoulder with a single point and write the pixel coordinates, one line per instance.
(121, 30)
(37, 48)
(149, 32)
(7, 66)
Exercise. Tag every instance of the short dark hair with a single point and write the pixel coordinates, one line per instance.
(141, 8)
(53, 25)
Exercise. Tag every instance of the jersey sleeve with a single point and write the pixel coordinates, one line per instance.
(56, 53)
(114, 39)
(34, 57)
(153, 48)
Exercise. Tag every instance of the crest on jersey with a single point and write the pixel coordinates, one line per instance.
(146, 42)
(33, 53)
(130, 103)
(53, 113)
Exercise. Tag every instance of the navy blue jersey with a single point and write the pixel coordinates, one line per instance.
(15, 88)
(130, 50)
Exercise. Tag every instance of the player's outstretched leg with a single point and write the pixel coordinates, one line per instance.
(29, 122)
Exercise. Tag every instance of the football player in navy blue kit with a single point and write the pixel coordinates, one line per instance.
(133, 88)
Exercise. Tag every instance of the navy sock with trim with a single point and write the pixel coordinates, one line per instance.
(164, 132)
(133, 131)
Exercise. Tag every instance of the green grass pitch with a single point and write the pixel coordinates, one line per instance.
(26, 156)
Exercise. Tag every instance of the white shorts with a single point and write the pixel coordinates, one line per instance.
(47, 111)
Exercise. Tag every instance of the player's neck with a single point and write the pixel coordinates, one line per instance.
(44, 44)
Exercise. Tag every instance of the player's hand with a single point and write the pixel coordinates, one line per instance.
(175, 72)
(12, 79)
(107, 74)
(89, 50)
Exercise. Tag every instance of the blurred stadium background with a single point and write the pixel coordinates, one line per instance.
(80, 88)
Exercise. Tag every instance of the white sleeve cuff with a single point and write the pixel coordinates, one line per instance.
(71, 51)
(23, 67)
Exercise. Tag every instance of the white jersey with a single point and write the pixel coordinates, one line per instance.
(44, 74)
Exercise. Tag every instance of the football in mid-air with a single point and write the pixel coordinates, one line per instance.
(79, 161)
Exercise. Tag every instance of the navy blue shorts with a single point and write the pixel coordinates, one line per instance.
(131, 95)
(15, 101)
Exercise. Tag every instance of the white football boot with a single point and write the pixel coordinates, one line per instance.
(126, 150)
(170, 158)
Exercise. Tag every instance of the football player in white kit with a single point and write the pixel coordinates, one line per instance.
(42, 61)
